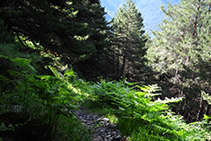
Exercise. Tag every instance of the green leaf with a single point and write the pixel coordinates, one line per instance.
(56, 74)
(3, 127)
(206, 117)
(10, 126)
(121, 108)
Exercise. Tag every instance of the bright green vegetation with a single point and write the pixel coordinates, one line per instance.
(38, 92)
(128, 42)
(139, 115)
(45, 100)
(33, 106)
(181, 53)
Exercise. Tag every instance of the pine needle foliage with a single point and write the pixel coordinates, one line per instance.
(182, 46)
(128, 41)
(181, 51)
(183, 38)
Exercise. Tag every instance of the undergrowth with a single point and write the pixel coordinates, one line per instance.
(34, 106)
(141, 116)
(37, 107)
(70, 129)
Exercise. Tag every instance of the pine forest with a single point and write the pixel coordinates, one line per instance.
(67, 74)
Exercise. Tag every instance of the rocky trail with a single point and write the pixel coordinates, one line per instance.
(101, 128)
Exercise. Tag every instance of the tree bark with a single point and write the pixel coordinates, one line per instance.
(123, 63)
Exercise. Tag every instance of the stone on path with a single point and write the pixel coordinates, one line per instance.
(101, 128)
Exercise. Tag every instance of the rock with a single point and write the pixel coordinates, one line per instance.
(106, 120)
(80, 117)
(108, 138)
(118, 137)
(97, 138)
(114, 133)
(89, 123)
(112, 126)
(101, 128)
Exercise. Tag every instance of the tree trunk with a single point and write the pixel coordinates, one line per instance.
(123, 63)
(117, 67)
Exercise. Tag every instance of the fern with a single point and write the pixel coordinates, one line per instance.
(56, 74)
(206, 97)
(140, 117)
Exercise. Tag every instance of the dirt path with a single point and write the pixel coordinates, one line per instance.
(101, 128)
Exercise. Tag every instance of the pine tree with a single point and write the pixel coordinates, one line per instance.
(51, 23)
(128, 40)
(182, 48)
(183, 42)
(92, 13)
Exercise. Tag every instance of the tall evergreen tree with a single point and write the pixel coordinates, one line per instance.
(182, 48)
(51, 23)
(128, 40)
(92, 13)
(75, 29)
(183, 42)
(180, 43)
